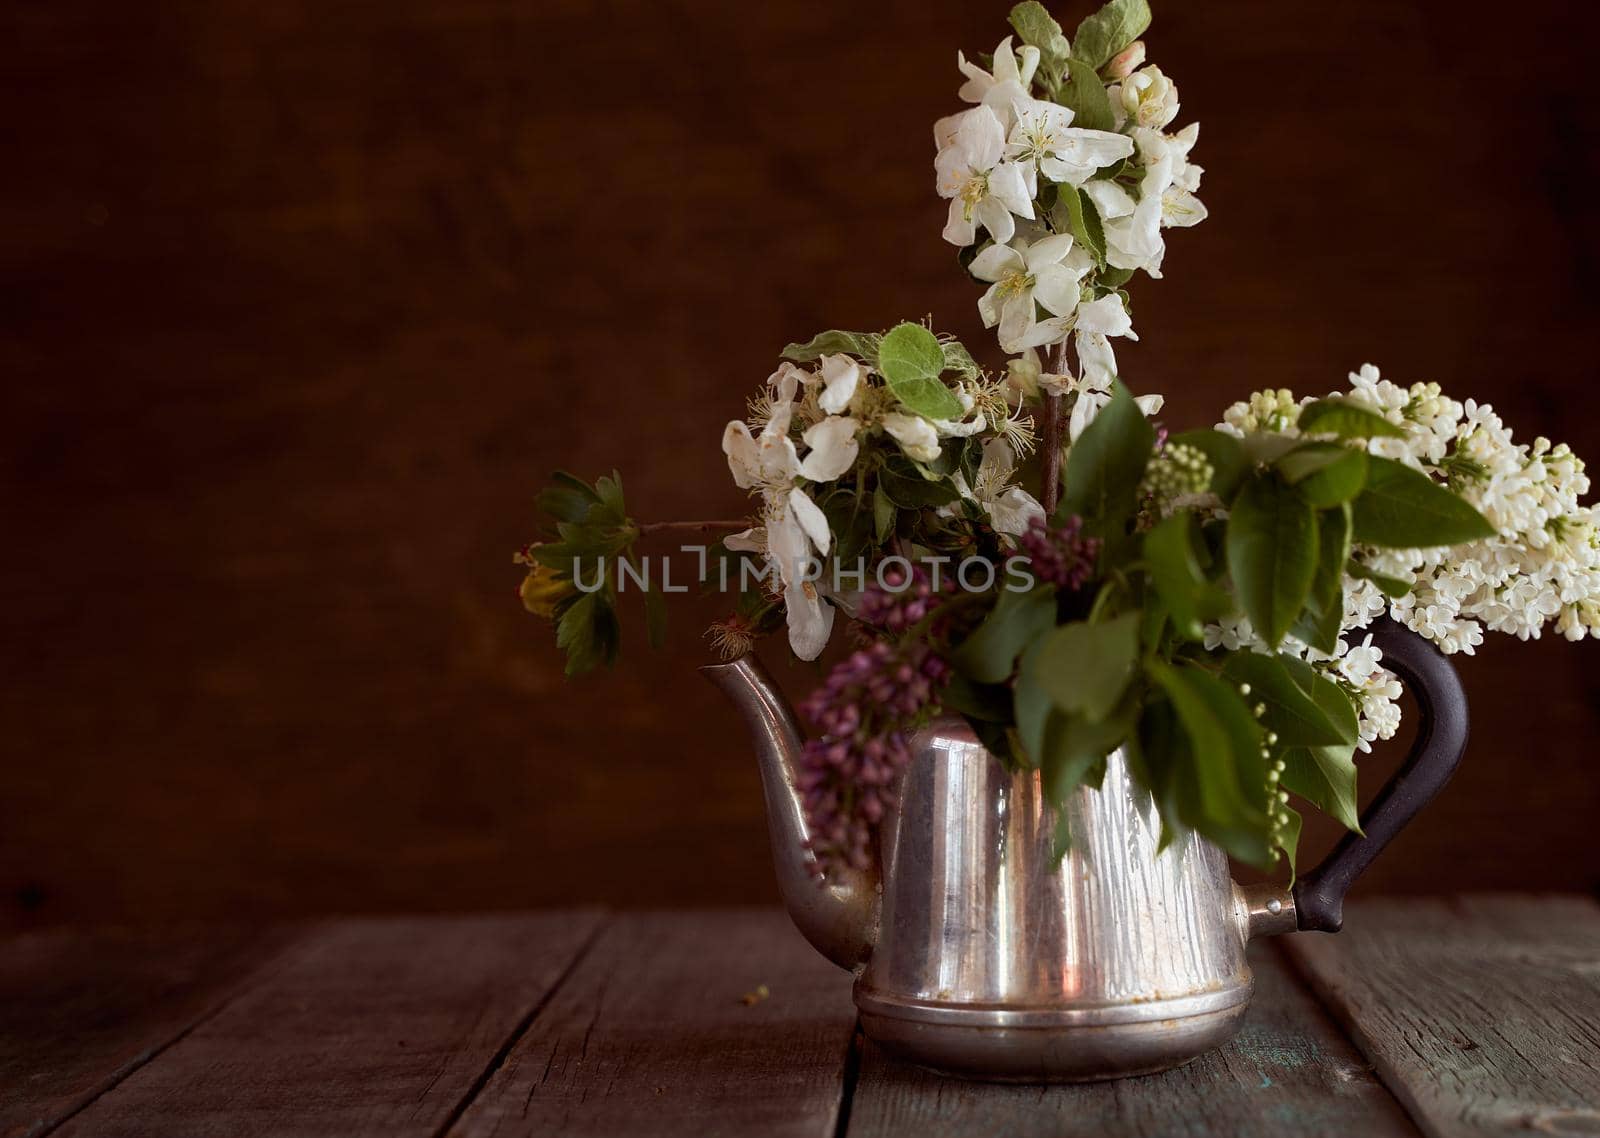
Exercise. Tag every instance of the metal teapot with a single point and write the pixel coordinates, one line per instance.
(977, 954)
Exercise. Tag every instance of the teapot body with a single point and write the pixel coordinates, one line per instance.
(993, 959)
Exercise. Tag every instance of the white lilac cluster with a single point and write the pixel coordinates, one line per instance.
(1049, 279)
(1541, 567)
(806, 432)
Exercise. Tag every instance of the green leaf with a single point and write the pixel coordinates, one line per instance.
(1229, 462)
(912, 491)
(588, 632)
(911, 360)
(990, 654)
(1086, 96)
(1223, 791)
(1319, 623)
(1347, 418)
(1329, 696)
(1075, 751)
(959, 360)
(1392, 587)
(1076, 211)
(1036, 26)
(1292, 714)
(1190, 599)
(1085, 668)
(1106, 464)
(609, 491)
(1325, 474)
(1272, 554)
(990, 703)
(862, 345)
(883, 514)
(1103, 35)
(1326, 778)
(1403, 508)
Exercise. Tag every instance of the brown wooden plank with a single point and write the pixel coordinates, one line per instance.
(652, 1035)
(369, 1026)
(1481, 1014)
(1290, 1071)
(79, 1011)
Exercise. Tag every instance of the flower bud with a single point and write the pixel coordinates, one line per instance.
(543, 589)
(1127, 61)
(1150, 98)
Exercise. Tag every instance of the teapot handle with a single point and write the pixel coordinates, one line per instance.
(1440, 743)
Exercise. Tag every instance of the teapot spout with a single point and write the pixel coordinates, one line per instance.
(838, 916)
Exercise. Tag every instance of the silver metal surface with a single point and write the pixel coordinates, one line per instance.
(838, 917)
(991, 959)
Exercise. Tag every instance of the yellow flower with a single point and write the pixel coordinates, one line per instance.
(543, 589)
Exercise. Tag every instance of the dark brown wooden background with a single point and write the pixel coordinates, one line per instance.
(302, 301)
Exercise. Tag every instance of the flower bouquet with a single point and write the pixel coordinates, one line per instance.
(1032, 549)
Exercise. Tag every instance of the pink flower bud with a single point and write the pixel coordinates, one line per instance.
(1127, 61)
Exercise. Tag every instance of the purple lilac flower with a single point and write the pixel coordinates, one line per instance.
(1063, 556)
(863, 716)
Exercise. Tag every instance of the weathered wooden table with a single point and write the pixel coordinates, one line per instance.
(1470, 1016)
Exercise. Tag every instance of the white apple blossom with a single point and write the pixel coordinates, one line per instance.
(983, 188)
(1022, 275)
(1010, 508)
(1010, 81)
(1043, 142)
(792, 524)
(1147, 97)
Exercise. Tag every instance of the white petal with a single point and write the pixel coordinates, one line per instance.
(1084, 410)
(741, 451)
(996, 218)
(1006, 184)
(1029, 56)
(810, 619)
(1045, 332)
(750, 541)
(951, 170)
(1150, 404)
(1005, 63)
(1110, 199)
(1013, 512)
(1096, 360)
(1106, 316)
(951, 429)
(1057, 289)
(812, 520)
(777, 462)
(1048, 251)
(987, 307)
(978, 80)
(1097, 148)
(1016, 320)
(996, 261)
(915, 435)
(840, 374)
(981, 137)
(958, 229)
(998, 461)
(1181, 209)
(833, 449)
(944, 130)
